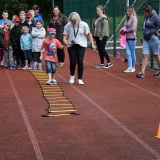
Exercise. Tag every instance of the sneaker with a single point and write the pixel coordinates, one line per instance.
(34, 68)
(25, 68)
(157, 74)
(39, 67)
(133, 69)
(109, 65)
(80, 82)
(19, 66)
(54, 81)
(100, 66)
(49, 82)
(71, 81)
(2, 63)
(128, 70)
(140, 75)
(12, 67)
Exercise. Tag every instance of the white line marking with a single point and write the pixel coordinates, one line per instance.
(134, 136)
(143, 89)
(26, 121)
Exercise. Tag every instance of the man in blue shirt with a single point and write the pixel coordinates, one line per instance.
(37, 16)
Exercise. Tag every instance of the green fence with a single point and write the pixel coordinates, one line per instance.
(115, 10)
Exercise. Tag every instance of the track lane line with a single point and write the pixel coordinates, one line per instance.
(113, 119)
(141, 88)
(26, 120)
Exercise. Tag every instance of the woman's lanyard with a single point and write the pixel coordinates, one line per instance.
(75, 33)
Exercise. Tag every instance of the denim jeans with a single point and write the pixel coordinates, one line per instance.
(9, 57)
(131, 55)
(50, 67)
(28, 55)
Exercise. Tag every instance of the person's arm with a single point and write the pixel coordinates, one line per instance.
(42, 49)
(41, 54)
(105, 28)
(65, 39)
(21, 43)
(2, 44)
(91, 40)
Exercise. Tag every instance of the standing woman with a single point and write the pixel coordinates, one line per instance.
(75, 36)
(131, 29)
(58, 21)
(101, 34)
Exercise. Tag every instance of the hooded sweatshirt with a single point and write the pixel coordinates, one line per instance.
(151, 25)
(101, 28)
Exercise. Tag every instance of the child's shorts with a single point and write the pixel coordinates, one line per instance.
(50, 67)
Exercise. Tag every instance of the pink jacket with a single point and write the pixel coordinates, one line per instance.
(122, 38)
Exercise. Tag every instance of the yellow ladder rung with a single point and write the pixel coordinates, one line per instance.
(61, 104)
(59, 101)
(52, 111)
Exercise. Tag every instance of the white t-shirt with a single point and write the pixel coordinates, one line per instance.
(81, 37)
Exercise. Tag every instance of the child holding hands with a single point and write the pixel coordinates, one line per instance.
(49, 49)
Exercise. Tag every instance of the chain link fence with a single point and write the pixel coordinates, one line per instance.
(115, 10)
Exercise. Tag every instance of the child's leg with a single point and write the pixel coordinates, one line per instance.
(30, 57)
(11, 60)
(6, 55)
(39, 61)
(53, 76)
(26, 57)
(34, 58)
(49, 76)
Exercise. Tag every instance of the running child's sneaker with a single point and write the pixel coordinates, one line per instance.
(12, 67)
(49, 82)
(54, 81)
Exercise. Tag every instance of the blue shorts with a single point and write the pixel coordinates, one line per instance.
(50, 67)
(151, 45)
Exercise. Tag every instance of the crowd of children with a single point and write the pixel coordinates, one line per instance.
(21, 39)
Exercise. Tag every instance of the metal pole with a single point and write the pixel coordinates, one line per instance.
(52, 3)
(114, 28)
(127, 2)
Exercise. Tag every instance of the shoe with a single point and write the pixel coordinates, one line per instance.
(25, 68)
(100, 66)
(133, 69)
(49, 82)
(19, 66)
(80, 82)
(128, 70)
(157, 74)
(12, 67)
(109, 65)
(71, 81)
(54, 81)
(39, 67)
(33, 67)
(140, 75)
(2, 63)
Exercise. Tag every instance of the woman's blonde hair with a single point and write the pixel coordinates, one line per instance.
(132, 11)
(74, 16)
(24, 28)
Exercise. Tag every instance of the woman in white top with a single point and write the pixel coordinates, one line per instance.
(75, 36)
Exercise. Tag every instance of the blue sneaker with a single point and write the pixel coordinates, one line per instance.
(12, 67)
(39, 67)
(34, 68)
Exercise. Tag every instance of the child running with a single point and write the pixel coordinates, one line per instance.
(49, 47)
(38, 34)
(26, 46)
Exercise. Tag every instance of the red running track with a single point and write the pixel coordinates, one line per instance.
(119, 116)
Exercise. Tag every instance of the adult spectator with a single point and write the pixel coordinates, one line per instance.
(101, 34)
(151, 42)
(130, 31)
(58, 21)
